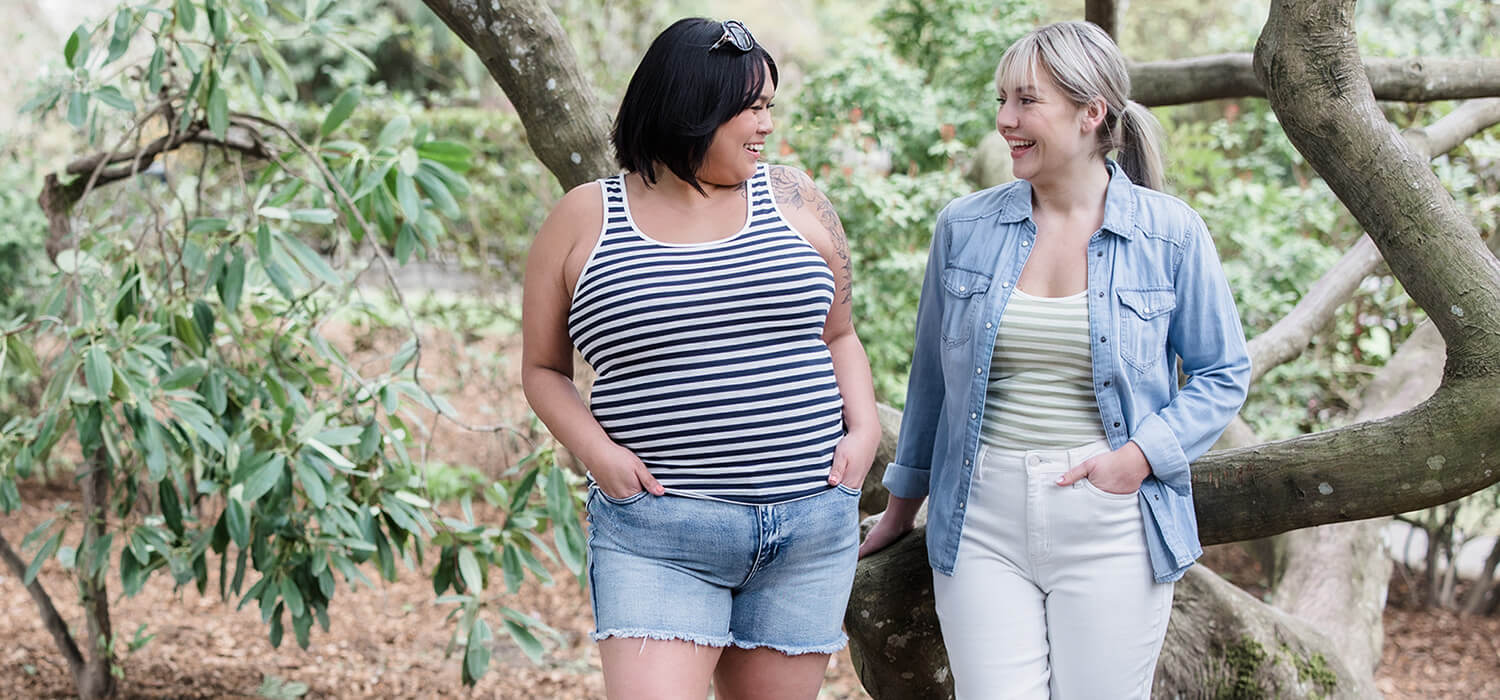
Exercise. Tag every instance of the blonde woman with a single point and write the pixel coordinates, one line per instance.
(1043, 418)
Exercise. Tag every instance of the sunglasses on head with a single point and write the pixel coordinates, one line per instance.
(736, 35)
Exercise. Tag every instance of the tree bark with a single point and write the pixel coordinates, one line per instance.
(526, 51)
(1226, 76)
(96, 681)
(1106, 14)
(1307, 58)
(51, 619)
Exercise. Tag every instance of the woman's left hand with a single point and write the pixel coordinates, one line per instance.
(1117, 471)
(852, 459)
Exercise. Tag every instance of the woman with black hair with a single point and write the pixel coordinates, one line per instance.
(733, 418)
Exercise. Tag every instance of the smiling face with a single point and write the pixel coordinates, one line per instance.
(737, 144)
(1050, 136)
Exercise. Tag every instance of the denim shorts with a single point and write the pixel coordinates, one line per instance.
(717, 573)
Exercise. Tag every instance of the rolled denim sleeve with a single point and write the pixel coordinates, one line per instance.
(1206, 333)
(908, 476)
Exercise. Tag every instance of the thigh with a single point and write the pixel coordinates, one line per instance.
(994, 628)
(661, 567)
(794, 600)
(1106, 615)
(767, 674)
(652, 669)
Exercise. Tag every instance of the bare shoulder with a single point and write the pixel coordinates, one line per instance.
(808, 209)
(581, 210)
(805, 205)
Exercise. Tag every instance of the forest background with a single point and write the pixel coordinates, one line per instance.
(886, 104)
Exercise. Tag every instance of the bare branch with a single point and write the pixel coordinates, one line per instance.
(51, 619)
(1221, 76)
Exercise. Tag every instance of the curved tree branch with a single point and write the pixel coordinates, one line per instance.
(1308, 60)
(1221, 76)
(524, 47)
(1285, 340)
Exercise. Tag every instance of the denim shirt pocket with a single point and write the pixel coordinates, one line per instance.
(963, 294)
(1145, 316)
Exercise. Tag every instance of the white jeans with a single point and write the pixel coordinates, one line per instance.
(1052, 594)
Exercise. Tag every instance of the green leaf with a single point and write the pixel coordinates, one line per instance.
(468, 568)
(343, 106)
(257, 77)
(187, 15)
(293, 597)
(526, 640)
(76, 50)
(571, 545)
(99, 372)
(450, 153)
(171, 507)
(48, 549)
(408, 160)
(232, 284)
(314, 216)
(477, 650)
(111, 96)
(510, 563)
(394, 130)
(238, 522)
(78, 108)
(330, 454)
(207, 225)
(156, 457)
(218, 111)
(154, 70)
(313, 485)
(406, 243)
(404, 355)
(261, 476)
(406, 196)
(437, 191)
(184, 376)
(120, 41)
(301, 629)
(203, 317)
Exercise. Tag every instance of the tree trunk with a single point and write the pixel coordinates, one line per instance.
(96, 681)
(51, 619)
(1221, 642)
(525, 50)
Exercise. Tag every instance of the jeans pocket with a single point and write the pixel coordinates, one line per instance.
(847, 490)
(1089, 486)
(632, 498)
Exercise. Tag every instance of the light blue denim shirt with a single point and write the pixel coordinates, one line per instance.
(1156, 293)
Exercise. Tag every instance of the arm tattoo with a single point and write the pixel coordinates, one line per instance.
(794, 191)
(830, 220)
(787, 187)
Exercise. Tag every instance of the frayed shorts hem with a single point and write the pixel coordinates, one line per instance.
(720, 642)
(662, 637)
(796, 650)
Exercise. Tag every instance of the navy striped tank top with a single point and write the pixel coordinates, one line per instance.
(710, 357)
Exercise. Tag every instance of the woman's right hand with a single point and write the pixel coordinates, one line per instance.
(620, 474)
(887, 530)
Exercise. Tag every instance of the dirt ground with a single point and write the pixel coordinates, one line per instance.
(389, 641)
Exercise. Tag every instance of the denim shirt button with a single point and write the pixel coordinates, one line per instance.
(1025, 243)
(1005, 284)
(973, 415)
(987, 324)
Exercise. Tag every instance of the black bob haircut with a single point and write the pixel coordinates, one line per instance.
(679, 96)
